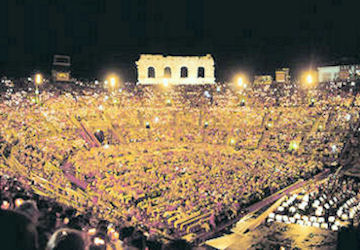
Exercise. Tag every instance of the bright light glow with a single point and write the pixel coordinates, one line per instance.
(112, 82)
(98, 241)
(232, 141)
(106, 146)
(110, 231)
(240, 81)
(218, 88)
(294, 145)
(168, 101)
(333, 148)
(92, 231)
(115, 236)
(156, 120)
(96, 82)
(19, 202)
(101, 107)
(309, 79)
(348, 117)
(5, 205)
(38, 78)
(165, 82)
(207, 94)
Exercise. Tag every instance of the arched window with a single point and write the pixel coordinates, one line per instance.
(167, 72)
(201, 72)
(184, 72)
(151, 72)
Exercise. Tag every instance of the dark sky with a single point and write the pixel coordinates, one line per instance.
(253, 36)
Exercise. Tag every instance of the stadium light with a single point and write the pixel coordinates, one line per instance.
(240, 81)
(112, 82)
(309, 79)
(38, 80)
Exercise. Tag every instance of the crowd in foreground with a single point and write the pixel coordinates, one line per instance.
(330, 205)
(31, 222)
(172, 162)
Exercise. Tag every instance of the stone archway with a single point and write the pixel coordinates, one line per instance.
(151, 72)
(201, 72)
(167, 72)
(184, 72)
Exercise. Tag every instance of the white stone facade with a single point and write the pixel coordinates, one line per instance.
(329, 73)
(153, 69)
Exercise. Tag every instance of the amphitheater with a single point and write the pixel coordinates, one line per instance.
(182, 162)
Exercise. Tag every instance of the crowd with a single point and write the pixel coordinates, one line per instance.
(331, 205)
(169, 162)
(30, 221)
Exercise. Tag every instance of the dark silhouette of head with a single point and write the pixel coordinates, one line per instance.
(66, 239)
(17, 231)
(177, 245)
(29, 209)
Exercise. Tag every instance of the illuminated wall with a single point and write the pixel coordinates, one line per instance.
(153, 69)
(282, 75)
(329, 73)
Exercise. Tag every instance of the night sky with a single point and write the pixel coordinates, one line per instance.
(108, 35)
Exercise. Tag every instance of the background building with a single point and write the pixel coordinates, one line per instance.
(282, 75)
(328, 73)
(263, 79)
(339, 73)
(157, 69)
